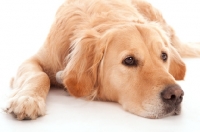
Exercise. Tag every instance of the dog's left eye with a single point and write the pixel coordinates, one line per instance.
(130, 61)
(164, 56)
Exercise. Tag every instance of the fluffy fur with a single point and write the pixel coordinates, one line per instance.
(89, 40)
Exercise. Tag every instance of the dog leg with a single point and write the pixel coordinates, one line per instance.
(185, 49)
(30, 88)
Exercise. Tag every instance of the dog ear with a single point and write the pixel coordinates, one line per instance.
(177, 67)
(80, 74)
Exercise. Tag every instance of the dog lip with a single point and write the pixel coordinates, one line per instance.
(159, 116)
(173, 110)
(167, 111)
(177, 110)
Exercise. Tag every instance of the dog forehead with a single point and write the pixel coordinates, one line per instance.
(126, 37)
(134, 37)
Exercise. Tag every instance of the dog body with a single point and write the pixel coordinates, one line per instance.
(110, 50)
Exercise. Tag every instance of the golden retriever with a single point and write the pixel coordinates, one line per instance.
(111, 50)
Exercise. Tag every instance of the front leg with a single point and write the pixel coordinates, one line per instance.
(30, 88)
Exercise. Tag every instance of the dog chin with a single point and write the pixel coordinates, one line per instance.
(164, 113)
(158, 113)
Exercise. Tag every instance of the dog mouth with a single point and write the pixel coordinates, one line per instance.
(171, 97)
(167, 103)
(170, 111)
(159, 109)
(176, 110)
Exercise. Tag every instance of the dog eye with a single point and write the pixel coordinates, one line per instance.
(164, 56)
(130, 61)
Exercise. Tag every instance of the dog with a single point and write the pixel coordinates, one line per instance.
(110, 50)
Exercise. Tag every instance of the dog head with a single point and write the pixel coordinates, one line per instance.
(134, 65)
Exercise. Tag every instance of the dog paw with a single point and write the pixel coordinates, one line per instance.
(26, 107)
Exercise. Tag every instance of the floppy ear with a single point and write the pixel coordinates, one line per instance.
(80, 74)
(177, 67)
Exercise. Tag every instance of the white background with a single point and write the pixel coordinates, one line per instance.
(24, 25)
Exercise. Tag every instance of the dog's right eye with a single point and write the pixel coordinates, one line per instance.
(130, 61)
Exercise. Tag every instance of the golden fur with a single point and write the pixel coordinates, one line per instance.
(89, 40)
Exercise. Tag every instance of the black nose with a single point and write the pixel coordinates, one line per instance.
(172, 95)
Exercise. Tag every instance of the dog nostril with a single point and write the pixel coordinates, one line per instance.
(172, 95)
